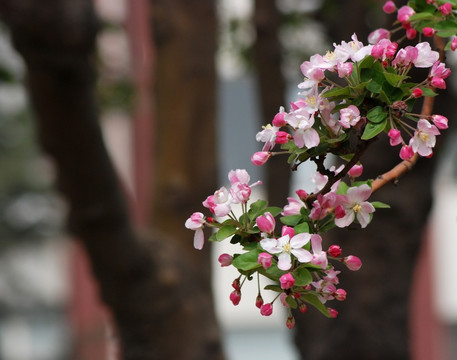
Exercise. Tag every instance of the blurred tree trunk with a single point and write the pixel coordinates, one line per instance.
(157, 290)
(373, 321)
(272, 89)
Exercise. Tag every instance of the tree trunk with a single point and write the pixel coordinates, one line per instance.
(152, 287)
(272, 88)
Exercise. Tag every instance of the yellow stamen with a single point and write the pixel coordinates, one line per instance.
(357, 208)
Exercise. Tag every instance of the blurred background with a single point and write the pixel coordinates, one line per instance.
(49, 306)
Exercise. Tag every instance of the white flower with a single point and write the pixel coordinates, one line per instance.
(355, 206)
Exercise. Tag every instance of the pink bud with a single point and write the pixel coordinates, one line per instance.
(340, 295)
(411, 33)
(287, 281)
(282, 137)
(266, 223)
(339, 212)
(446, 9)
(417, 93)
(377, 35)
(266, 309)
(395, 137)
(454, 44)
(352, 262)
(440, 121)
(333, 313)
(264, 259)
(303, 308)
(278, 120)
(236, 284)
(356, 171)
(290, 322)
(438, 82)
(302, 194)
(235, 297)
(225, 259)
(406, 152)
(428, 31)
(404, 13)
(344, 69)
(334, 250)
(391, 50)
(287, 230)
(283, 298)
(259, 301)
(260, 157)
(389, 7)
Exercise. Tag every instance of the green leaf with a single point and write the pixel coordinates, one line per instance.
(342, 188)
(313, 300)
(421, 16)
(394, 79)
(274, 210)
(247, 261)
(302, 276)
(291, 302)
(380, 205)
(371, 130)
(272, 287)
(225, 231)
(427, 91)
(213, 237)
(376, 115)
(377, 79)
(291, 220)
(301, 228)
(337, 92)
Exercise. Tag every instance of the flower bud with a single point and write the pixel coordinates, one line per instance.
(287, 281)
(438, 83)
(389, 7)
(303, 308)
(339, 212)
(454, 44)
(334, 250)
(340, 294)
(264, 259)
(278, 120)
(428, 31)
(417, 93)
(440, 121)
(395, 137)
(259, 301)
(266, 223)
(282, 137)
(406, 152)
(287, 230)
(236, 284)
(266, 309)
(302, 194)
(333, 313)
(446, 9)
(260, 157)
(235, 297)
(290, 322)
(356, 171)
(352, 262)
(411, 33)
(225, 259)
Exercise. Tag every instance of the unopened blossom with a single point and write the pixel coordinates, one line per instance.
(278, 120)
(266, 223)
(340, 294)
(406, 152)
(265, 259)
(259, 301)
(282, 137)
(411, 33)
(426, 57)
(286, 281)
(303, 308)
(349, 116)
(395, 137)
(266, 309)
(219, 203)
(235, 297)
(290, 322)
(352, 262)
(377, 35)
(196, 223)
(424, 138)
(286, 246)
(384, 49)
(440, 70)
(333, 313)
(292, 208)
(334, 250)
(438, 83)
(283, 298)
(446, 9)
(417, 93)
(319, 256)
(389, 7)
(356, 170)
(356, 206)
(454, 44)
(440, 121)
(344, 69)
(302, 194)
(225, 259)
(428, 31)
(261, 157)
(404, 13)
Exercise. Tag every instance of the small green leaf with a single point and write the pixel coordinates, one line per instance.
(301, 228)
(302, 276)
(291, 302)
(394, 79)
(380, 205)
(376, 115)
(371, 130)
(313, 300)
(427, 91)
(291, 220)
(274, 210)
(421, 16)
(273, 288)
(337, 92)
(247, 261)
(225, 231)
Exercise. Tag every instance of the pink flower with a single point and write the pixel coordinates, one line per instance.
(332, 312)
(406, 152)
(319, 256)
(266, 309)
(417, 93)
(322, 205)
(334, 251)
(286, 246)
(282, 137)
(303, 308)
(344, 69)
(378, 35)
(219, 203)
(424, 138)
(426, 57)
(356, 171)
(438, 83)
(196, 223)
(349, 116)
(405, 56)
(286, 281)
(439, 70)
(356, 206)
(264, 259)
(411, 33)
(283, 298)
(440, 121)
(446, 9)
(389, 7)
(267, 136)
(260, 158)
(352, 262)
(395, 137)
(302, 194)
(235, 297)
(292, 208)
(340, 294)
(266, 223)
(454, 44)
(339, 212)
(428, 31)
(278, 120)
(225, 259)
(404, 13)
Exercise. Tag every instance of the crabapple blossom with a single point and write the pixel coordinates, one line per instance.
(225, 259)
(322, 205)
(319, 256)
(395, 137)
(286, 281)
(411, 33)
(356, 170)
(278, 120)
(290, 322)
(267, 136)
(282, 137)
(219, 203)
(438, 83)
(286, 246)
(259, 301)
(404, 13)
(389, 7)
(440, 121)
(196, 222)
(331, 275)
(302, 194)
(439, 70)
(266, 223)
(406, 152)
(377, 35)
(424, 138)
(446, 9)
(303, 308)
(352, 262)
(235, 297)
(428, 31)
(417, 93)
(283, 298)
(356, 206)
(426, 57)
(344, 69)
(349, 116)
(302, 121)
(292, 208)
(454, 44)
(261, 157)
(340, 294)
(334, 250)
(265, 259)
(333, 313)
(266, 309)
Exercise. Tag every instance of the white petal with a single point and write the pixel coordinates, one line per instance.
(199, 239)
(302, 255)
(284, 262)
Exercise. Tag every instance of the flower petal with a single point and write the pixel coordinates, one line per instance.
(284, 261)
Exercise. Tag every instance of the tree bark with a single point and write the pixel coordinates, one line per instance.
(153, 289)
